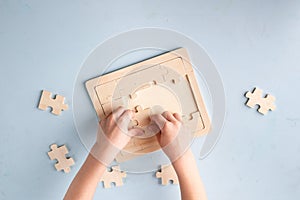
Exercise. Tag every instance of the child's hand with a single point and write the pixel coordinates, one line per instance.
(113, 135)
(174, 138)
(115, 127)
(169, 125)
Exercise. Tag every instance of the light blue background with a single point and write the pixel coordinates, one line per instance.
(253, 43)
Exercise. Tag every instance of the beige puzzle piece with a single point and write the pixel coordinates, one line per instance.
(133, 123)
(265, 103)
(167, 173)
(108, 107)
(167, 80)
(57, 104)
(59, 153)
(192, 120)
(142, 116)
(114, 176)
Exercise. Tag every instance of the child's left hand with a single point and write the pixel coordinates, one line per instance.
(113, 135)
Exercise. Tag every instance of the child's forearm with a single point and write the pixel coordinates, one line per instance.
(111, 138)
(190, 182)
(84, 184)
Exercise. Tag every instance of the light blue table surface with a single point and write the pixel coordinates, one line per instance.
(253, 43)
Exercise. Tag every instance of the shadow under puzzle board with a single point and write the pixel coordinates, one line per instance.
(164, 82)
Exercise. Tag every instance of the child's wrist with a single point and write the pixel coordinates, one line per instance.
(104, 153)
(183, 159)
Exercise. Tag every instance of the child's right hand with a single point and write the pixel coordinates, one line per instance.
(169, 125)
(173, 137)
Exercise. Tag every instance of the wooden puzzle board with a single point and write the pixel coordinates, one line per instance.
(164, 82)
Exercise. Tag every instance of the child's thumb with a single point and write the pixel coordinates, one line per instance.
(159, 120)
(135, 132)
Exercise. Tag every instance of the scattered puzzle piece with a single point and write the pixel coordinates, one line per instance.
(114, 176)
(167, 174)
(265, 103)
(57, 104)
(59, 153)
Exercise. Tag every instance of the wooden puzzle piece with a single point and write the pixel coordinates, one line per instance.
(136, 79)
(172, 66)
(193, 122)
(166, 174)
(57, 103)
(132, 96)
(114, 176)
(265, 103)
(59, 153)
(142, 116)
(107, 92)
(176, 64)
(108, 107)
(133, 123)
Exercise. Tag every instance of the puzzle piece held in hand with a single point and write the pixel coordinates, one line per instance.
(167, 173)
(133, 123)
(141, 116)
(57, 104)
(114, 176)
(265, 103)
(59, 153)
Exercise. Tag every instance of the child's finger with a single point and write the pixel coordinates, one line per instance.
(135, 132)
(158, 136)
(159, 120)
(117, 113)
(177, 116)
(153, 128)
(102, 122)
(125, 117)
(169, 116)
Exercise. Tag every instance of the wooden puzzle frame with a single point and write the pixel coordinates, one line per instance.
(173, 69)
